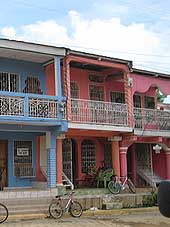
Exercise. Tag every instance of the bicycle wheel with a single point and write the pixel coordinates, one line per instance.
(114, 187)
(55, 210)
(131, 186)
(3, 213)
(76, 209)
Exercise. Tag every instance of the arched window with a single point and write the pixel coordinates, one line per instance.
(88, 154)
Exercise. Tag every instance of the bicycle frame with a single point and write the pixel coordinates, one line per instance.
(70, 200)
(123, 183)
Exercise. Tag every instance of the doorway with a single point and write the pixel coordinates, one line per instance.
(70, 159)
(4, 163)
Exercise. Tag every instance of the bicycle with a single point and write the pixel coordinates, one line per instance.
(3, 213)
(118, 185)
(3, 208)
(57, 207)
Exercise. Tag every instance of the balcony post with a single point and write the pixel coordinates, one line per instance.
(26, 106)
(51, 159)
(66, 83)
(57, 72)
(128, 97)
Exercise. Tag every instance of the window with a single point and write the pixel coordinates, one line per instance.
(149, 102)
(32, 85)
(117, 97)
(9, 82)
(96, 93)
(74, 90)
(88, 155)
(137, 101)
(23, 159)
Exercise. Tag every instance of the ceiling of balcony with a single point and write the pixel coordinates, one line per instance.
(25, 55)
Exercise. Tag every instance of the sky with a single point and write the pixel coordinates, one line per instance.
(137, 30)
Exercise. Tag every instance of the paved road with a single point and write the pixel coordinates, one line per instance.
(150, 219)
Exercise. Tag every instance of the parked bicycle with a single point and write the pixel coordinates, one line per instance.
(3, 208)
(3, 213)
(59, 206)
(120, 184)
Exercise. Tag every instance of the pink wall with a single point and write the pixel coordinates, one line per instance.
(142, 83)
(99, 151)
(50, 79)
(80, 76)
(159, 164)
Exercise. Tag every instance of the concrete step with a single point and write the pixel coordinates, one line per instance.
(112, 205)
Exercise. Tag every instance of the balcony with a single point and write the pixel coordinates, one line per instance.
(99, 113)
(151, 119)
(30, 107)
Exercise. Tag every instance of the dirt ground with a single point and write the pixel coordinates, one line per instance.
(145, 219)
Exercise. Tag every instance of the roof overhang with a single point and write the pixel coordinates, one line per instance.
(26, 51)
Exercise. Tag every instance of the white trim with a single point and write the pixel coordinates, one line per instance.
(99, 127)
(151, 133)
(32, 47)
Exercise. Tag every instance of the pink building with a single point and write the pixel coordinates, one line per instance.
(113, 120)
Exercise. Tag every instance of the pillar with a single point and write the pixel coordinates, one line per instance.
(133, 165)
(167, 160)
(115, 158)
(123, 161)
(128, 97)
(79, 158)
(51, 159)
(59, 161)
(67, 89)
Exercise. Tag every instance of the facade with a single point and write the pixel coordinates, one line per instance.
(64, 111)
(31, 105)
(114, 119)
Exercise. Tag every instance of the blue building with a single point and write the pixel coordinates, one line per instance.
(31, 105)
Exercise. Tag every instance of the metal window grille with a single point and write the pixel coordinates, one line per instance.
(137, 101)
(118, 97)
(23, 159)
(149, 102)
(9, 82)
(88, 157)
(96, 93)
(74, 90)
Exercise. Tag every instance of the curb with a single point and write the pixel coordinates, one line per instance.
(88, 213)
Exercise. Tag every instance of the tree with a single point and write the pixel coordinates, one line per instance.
(160, 96)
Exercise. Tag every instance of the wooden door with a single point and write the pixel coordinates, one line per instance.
(3, 162)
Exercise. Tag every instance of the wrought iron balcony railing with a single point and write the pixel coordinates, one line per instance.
(151, 119)
(31, 106)
(97, 112)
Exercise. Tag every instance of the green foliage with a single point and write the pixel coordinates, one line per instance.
(150, 200)
(160, 96)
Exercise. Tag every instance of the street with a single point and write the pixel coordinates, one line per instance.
(144, 219)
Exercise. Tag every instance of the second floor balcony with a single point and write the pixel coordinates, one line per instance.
(116, 114)
(31, 107)
(151, 119)
(99, 113)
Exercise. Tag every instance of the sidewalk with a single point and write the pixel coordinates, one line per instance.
(87, 213)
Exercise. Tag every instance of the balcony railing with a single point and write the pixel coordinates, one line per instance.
(151, 119)
(97, 112)
(31, 106)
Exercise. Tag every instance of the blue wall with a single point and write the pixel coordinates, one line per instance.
(24, 69)
(11, 137)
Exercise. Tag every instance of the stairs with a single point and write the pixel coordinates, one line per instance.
(67, 182)
(152, 179)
